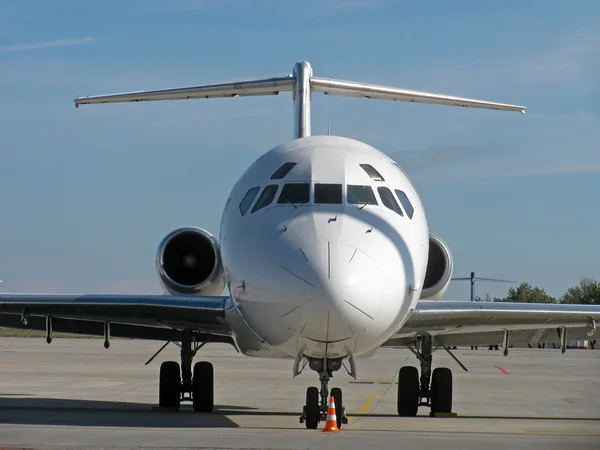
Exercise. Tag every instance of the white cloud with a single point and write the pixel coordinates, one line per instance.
(11, 48)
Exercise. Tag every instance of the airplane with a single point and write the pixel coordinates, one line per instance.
(325, 250)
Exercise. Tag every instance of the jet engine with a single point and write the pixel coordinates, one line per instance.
(439, 270)
(188, 262)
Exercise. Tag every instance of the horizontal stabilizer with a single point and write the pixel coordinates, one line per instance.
(302, 84)
(373, 91)
(260, 86)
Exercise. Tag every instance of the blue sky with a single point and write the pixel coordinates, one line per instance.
(87, 194)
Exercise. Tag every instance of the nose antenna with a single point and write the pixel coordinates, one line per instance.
(301, 83)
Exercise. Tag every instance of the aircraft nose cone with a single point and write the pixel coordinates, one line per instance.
(346, 292)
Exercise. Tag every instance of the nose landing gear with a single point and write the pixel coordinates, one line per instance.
(315, 409)
(433, 390)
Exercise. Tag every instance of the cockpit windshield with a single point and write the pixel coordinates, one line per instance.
(248, 199)
(266, 197)
(328, 193)
(388, 200)
(283, 171)
(372, 172)
(408, 207)
(295, 193)
(360, 195)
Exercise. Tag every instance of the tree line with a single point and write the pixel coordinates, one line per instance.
(587, 292)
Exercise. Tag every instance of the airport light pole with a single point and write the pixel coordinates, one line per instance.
(472, 279)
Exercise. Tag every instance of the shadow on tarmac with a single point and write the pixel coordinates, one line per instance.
(21, 409)
(55, 411)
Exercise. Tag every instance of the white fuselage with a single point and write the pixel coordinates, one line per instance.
(332, 276)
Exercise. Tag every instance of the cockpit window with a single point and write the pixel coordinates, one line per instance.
(361, 195)
(328, 193)
(408, 207)
(283, 171)
(266, 197)
(388, 200)
(295, 193)
(372, 172)
(248, 199)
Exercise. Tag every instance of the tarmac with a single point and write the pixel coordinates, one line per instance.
(75, 394)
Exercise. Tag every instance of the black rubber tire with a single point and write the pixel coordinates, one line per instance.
(336, 393)
(203, 387)
(441, 390)
(313, 414)
(408, 391)
(169, 385)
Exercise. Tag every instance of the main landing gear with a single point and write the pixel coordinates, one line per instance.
(177, 385)
(433, 390)
(315, 409)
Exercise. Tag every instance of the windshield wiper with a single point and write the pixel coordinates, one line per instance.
(287, 201)
(362, 205)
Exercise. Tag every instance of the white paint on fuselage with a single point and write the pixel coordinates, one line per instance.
(324, 279)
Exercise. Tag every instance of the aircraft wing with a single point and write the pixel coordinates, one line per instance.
(478, 323)
(160, 317)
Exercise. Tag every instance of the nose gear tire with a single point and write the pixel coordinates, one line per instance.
(313, 413)
(336, 393)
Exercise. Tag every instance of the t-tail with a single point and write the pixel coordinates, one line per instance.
(301, 83)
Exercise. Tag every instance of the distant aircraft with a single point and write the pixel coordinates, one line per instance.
(325, 248)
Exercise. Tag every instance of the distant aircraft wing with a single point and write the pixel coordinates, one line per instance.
(254, 87)
(159, 317)
(374, 91)
(477, 323)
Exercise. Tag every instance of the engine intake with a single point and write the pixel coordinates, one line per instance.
(188, 262)
(439, 270)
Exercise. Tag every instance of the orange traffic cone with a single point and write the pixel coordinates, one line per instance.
(331, 423)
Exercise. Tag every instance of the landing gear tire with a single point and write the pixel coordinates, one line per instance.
(408, 391)
(313, 413)
(203, 387)
(441, 391)
(169, 385)
(336, 393)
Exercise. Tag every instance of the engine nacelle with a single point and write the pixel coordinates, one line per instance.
(439, 270)
(188, 262)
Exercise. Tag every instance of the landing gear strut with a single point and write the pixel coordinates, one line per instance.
(177, 385)
(315, 409)
(433, 390)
